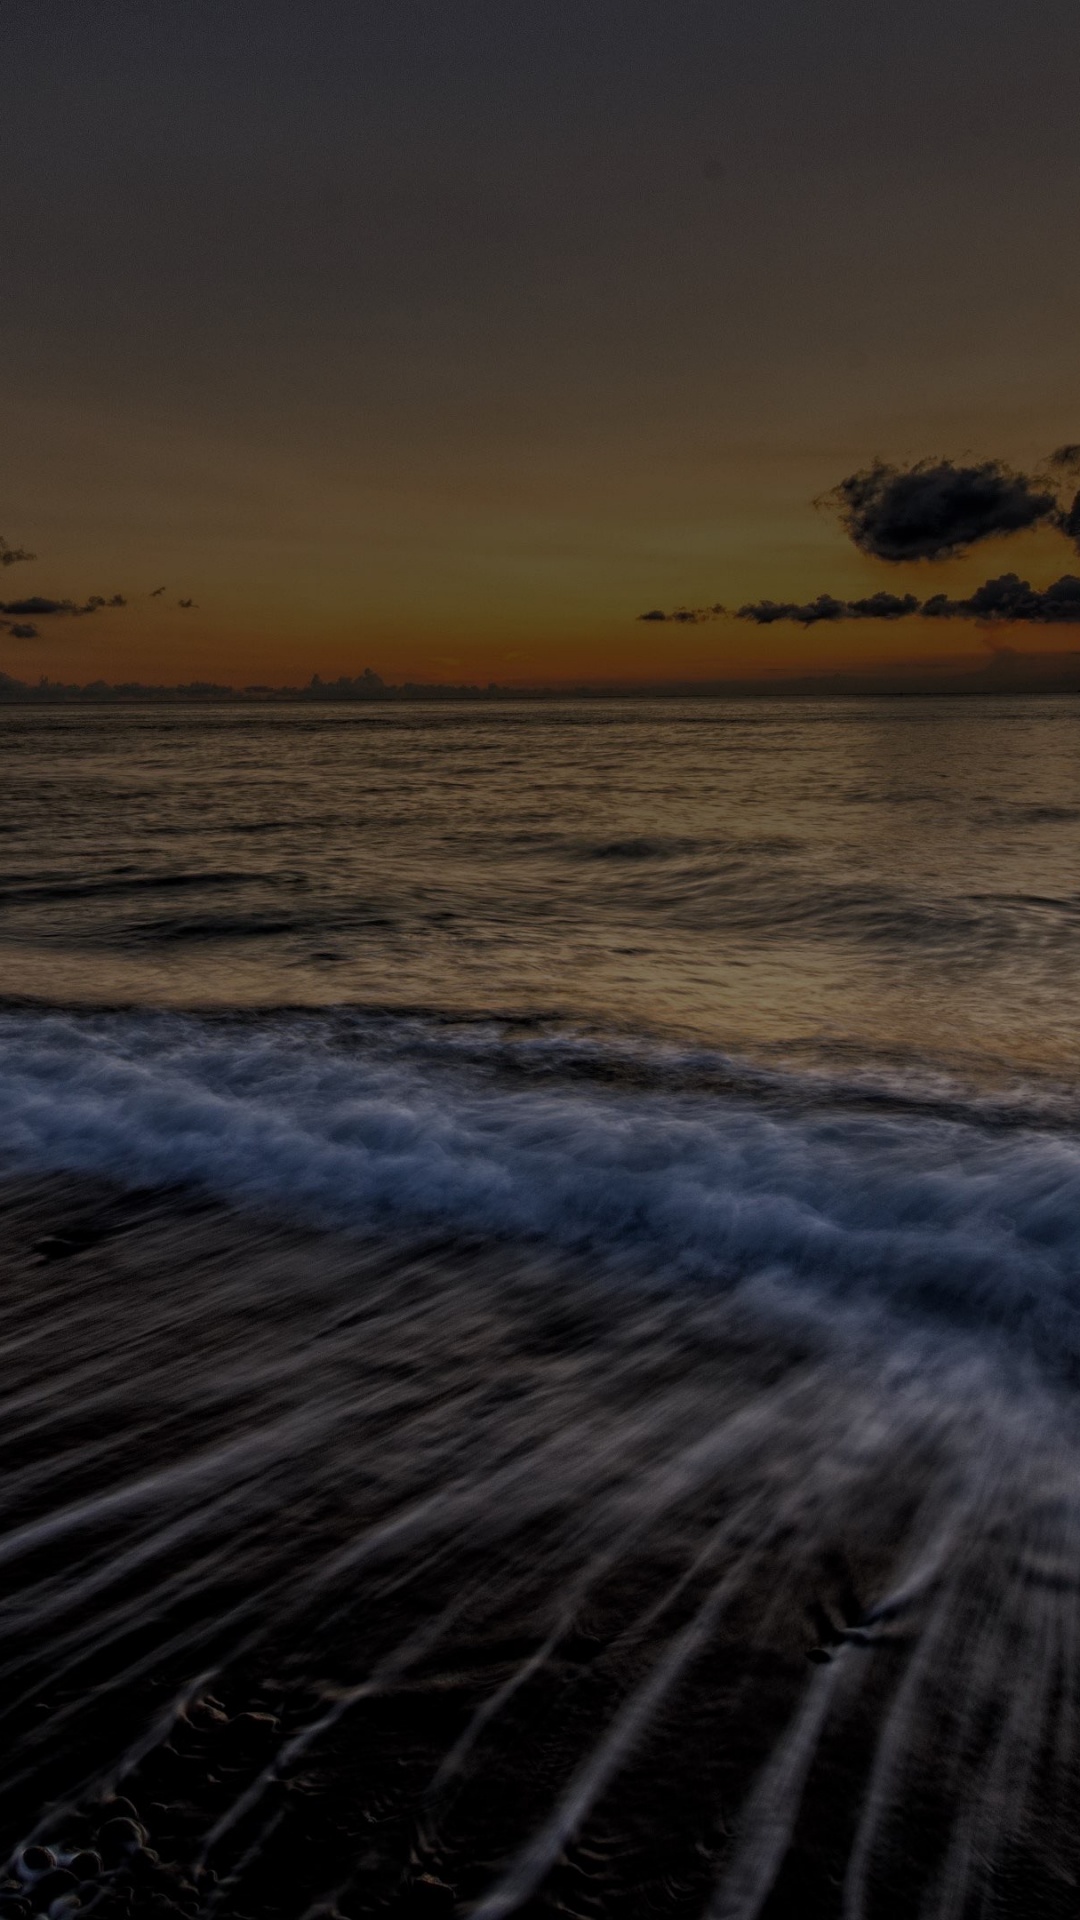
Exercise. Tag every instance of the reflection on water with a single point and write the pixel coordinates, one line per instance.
(886, 874)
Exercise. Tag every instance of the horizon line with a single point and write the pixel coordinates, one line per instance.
(1003, 671)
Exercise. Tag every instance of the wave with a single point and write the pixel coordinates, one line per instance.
(119, 882)
(503, 1525)
(664, 893)
(821, 1198)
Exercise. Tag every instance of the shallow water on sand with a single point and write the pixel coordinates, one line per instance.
(541, 1257)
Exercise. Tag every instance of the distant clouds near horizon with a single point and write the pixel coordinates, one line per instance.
(935, 510)
(18, 617)
(1007, 599)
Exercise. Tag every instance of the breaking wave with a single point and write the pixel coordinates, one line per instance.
(580, 1475)
(795, 1189)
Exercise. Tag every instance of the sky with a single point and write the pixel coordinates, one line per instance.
(446, 337)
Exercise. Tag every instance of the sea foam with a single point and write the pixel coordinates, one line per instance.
(778, 1187)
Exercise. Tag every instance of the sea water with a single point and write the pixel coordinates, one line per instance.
(758, 1017)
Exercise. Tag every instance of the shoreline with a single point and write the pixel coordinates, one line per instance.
(537, 1587)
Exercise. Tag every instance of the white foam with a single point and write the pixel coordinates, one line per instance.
(917, 1212)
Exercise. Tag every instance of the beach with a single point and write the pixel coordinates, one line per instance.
(540, 961)
(472, 1458)
(361, 1577)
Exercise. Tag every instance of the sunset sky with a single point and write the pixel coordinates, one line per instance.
(447, 336)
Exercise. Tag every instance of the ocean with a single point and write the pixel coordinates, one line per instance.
(892, 878)
(543, 1250)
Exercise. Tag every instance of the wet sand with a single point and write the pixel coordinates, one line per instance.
(358, 1578)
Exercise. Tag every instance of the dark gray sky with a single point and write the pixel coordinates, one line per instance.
(450, 333)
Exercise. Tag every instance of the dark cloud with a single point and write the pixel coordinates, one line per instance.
(883, 606)
(765, 612)
(1007, 598)
(935, 509)
(1010, 598)
(877, 606)
(38, 605)
(682, 616)
(18, 617)
(1070, 522)
(21, 614)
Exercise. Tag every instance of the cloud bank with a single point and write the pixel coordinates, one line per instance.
(935, 510)
(876, 606)
(38, 604)
(1007, 598)
(685, 616)
(18, 616)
